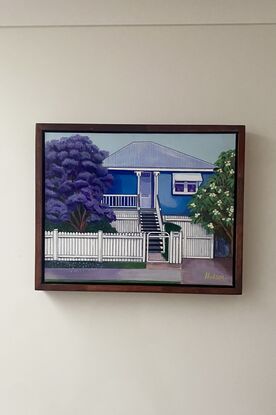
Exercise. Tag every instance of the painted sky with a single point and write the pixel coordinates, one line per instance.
(204, 146)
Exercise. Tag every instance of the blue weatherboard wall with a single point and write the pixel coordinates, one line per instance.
(174, 204)
(124, 183)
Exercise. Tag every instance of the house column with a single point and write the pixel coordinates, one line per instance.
(138, 174)
(156, 183)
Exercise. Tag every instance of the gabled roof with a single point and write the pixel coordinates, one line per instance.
(150, 155)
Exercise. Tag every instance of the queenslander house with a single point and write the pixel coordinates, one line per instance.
(153, 184)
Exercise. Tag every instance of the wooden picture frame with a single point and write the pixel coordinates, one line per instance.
(166, 183)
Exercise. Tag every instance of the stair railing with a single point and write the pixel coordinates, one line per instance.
(159, 214)
(139, 221)
(160, 219)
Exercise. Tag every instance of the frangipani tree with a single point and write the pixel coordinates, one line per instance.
(213, 204)
(75, 181)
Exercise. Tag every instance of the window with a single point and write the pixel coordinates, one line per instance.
(186, 183)
(179, 186)
(192, 187)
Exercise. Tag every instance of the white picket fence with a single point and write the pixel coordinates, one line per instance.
(196, 242)
(175, 248)
(126, 221)
(125, 247)
(69, 246)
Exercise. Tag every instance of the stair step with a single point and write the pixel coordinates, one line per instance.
(150, 225)
(150, 230)
(148, 220)
(154, 225)
(149, 215)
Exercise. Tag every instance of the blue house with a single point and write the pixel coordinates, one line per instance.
(153, 184)
(148, 175)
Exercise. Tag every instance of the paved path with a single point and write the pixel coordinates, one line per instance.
(216, 271)
(160, 263)
(113, 275)
(192, 271)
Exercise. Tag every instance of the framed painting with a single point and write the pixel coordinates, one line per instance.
(149, 208)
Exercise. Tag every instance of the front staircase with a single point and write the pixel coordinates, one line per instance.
(149, 223)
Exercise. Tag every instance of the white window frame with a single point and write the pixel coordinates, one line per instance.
(185, 192)
(186, 182)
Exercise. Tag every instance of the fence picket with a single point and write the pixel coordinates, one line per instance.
(196, 242)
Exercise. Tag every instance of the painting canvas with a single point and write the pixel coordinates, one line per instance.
(139, 208)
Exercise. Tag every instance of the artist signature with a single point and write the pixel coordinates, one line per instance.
(216, 277)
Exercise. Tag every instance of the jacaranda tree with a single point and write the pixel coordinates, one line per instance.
(213, 204)
(75, 181)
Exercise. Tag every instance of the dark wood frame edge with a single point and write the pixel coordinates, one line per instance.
(143, 128)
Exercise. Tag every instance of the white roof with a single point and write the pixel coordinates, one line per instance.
(147, 154)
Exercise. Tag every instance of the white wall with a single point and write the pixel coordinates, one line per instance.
(106, 12)
(139, 354)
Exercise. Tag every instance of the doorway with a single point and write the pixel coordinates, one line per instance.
(146, 190)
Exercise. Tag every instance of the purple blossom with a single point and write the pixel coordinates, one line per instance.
(75, 181)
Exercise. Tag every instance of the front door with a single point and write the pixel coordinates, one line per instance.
(146, 190)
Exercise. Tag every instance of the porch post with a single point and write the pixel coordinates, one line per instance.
(156, 182)
(138, 174)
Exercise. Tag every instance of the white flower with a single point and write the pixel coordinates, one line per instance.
(199, 196)
(231, 209)
(197, 215)
(219, 203)
(227, 193)
(232, 171)
(210, 225)
(228, 219)
(222, 218)
(204, 190)
(216, 212)
(228, 163)
(219, 190)
(232, 154)
(213, 186)
(193, 205)
(213, 195)
(220, 170)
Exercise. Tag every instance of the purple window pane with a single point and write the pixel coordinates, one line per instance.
(179, 186)
(191, 187)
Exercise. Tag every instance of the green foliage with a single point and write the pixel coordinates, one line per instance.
(94, 264)
(61, 227)
(213, 204)
(169, 227)
(101, 225)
